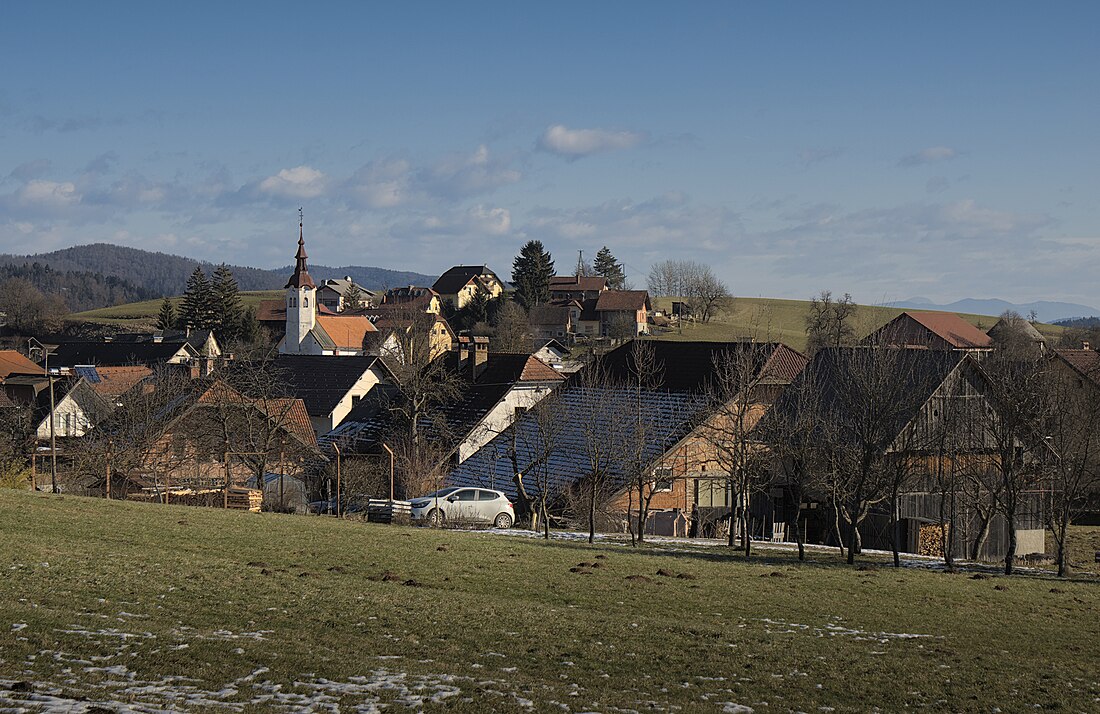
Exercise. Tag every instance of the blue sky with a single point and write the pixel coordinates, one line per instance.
(943, 150)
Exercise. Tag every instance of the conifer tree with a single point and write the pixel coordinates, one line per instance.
(166, 318)
(531, 273)
(353, 297)
(607, 267)
(196, 311)
(225, 304)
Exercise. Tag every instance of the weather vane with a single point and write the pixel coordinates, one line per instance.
(299, 216)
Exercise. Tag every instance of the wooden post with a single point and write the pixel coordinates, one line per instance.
(390, 452)
(226, 496)
(34, 475)
(108, 469)
(282, 474)
(337, 450)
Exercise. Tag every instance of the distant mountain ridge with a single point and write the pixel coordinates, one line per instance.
(165, 274)
(1045, 310)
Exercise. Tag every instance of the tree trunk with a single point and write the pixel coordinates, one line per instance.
(746, 542)
(592, 514)
(853, 534)
(983, 535)
(545, 522)
(1063, 567)
(524, 511)
(1010, 556)
(895, 542)
(836, 529)
(642, 513)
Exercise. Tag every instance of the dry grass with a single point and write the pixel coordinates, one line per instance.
(201, 609)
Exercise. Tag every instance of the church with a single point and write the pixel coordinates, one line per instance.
(312, 328)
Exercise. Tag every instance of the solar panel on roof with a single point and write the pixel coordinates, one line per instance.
(88, 373)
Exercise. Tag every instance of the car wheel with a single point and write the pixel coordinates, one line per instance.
(503, 520)
(436, 517)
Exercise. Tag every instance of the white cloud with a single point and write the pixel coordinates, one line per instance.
(381, 184)
(495, 221)
(389, 183)
(576, 143)
(48, 194)
(298, 182)
(931, 155)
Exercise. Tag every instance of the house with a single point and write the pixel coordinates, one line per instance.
(623, 313)
(419, 298)
(1014, 332)
(333, 294)
(917, 434)
(931, 330)
(495, 386)
(203, 341)
(460, 283)
(575, 287)
(311, 331)
(552, 321)
(330, 387)
(191, 441)
(654, 427)
(114, 383)
(395, 330)
(550, 351)
(78, 407)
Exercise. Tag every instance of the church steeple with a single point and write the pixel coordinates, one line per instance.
(300, 278)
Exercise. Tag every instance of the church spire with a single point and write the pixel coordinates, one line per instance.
(300, 278)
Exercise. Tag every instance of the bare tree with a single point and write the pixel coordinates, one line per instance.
(645, 375)
(828, 322)
(1073, 433)
(696, 283)
(599, 409)
(1022, 404)
(728, 432)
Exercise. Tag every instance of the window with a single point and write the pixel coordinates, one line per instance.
(466, 494)
(294, 302)
(305, 302)
(662, 479)
(486, 495)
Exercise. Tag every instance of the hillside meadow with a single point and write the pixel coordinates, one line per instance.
(106, 605)
(143, 315)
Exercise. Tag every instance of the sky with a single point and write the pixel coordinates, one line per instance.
(889, 150)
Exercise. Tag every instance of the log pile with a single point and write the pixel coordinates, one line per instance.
(931, 539)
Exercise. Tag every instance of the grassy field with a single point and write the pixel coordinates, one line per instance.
(143, 314)
(107, 604)
(771, 319)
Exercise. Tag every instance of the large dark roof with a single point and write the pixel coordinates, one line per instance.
(322, 381)
(114, 354)
(595, 421)
(692, 366)
(841, 378)
(456, 278)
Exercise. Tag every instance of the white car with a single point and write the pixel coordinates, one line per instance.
(464, 505)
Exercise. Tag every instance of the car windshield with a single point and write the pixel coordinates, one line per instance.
(441, 493)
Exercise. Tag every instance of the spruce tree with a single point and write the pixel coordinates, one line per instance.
(196, 310)
(353, 297)
(248, 331)
(225, 304)
(531, 273)
(166, 318)
(607, 267)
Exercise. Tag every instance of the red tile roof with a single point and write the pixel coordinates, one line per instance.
(952, 328)
(535, 370)
(292, 416)
(621, 300)
(11, 363)
(571, 282)
(346, 332)
(115, 381)
(1086, 362)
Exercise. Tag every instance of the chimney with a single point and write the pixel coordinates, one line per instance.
(462, 346)
(1085, 345)
(480, 357)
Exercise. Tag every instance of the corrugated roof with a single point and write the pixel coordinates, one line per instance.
(595, 421)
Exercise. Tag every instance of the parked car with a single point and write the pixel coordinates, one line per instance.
(465, 505)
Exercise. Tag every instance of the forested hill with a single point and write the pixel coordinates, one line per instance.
(80, 289)
(157, 274)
